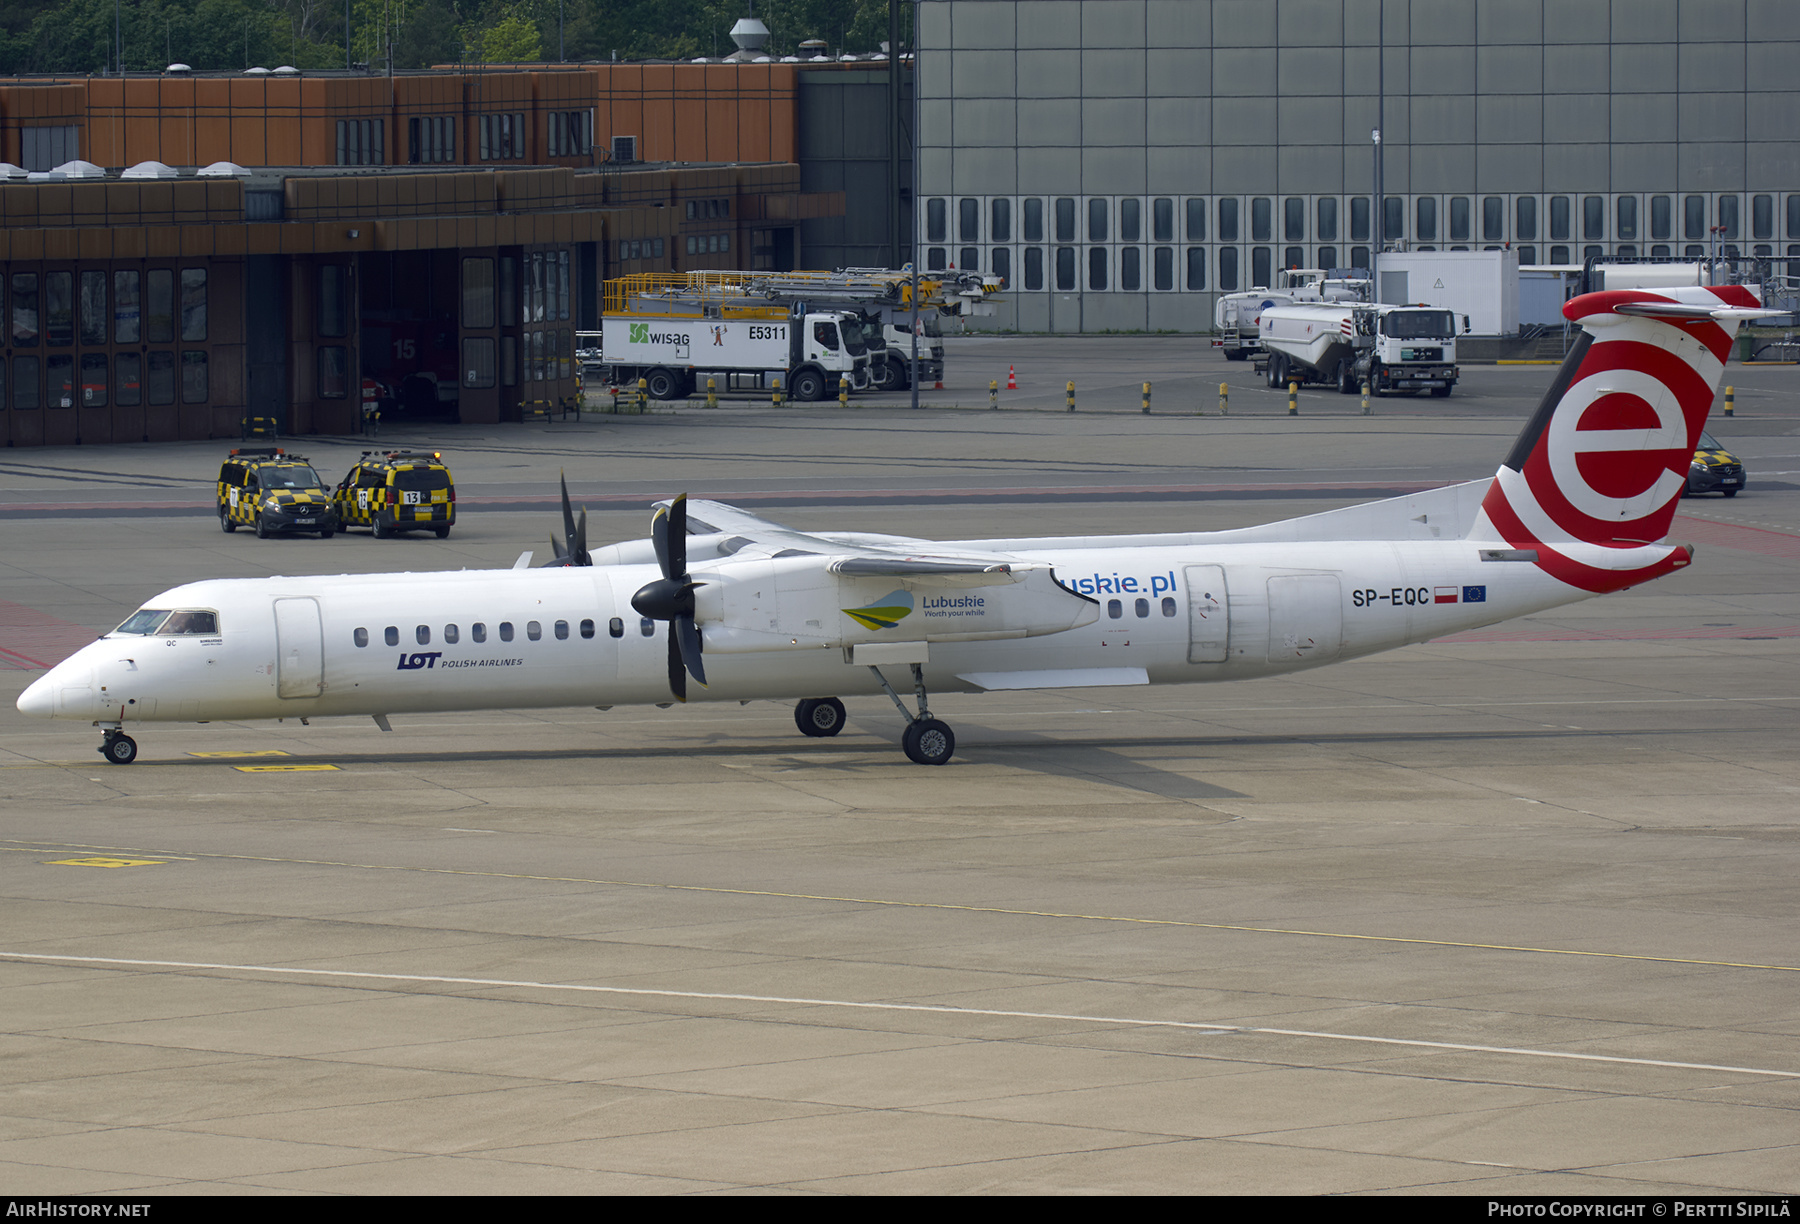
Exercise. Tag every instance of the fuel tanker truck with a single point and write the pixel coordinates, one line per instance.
(1391, 348)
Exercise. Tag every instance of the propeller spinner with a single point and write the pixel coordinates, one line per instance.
(671, 597)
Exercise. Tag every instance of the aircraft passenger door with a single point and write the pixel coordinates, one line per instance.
(1306, 618)
(1209, 629)
(300, 648)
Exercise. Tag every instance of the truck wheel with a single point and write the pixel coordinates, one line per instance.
(1346, 378)
(1441, 392)
(1236, 354)
(809, 385)
(661, 384)
(891, 377)
(1277, 371)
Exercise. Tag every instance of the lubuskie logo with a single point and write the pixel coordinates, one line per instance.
(424, 659)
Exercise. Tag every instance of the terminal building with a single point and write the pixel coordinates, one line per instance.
(181, 253)
(1121, 162)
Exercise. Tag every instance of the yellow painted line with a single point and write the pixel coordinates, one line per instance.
(283, 768)
(1002, 911)
(105, 862)
(258, 752)
(1521, 361)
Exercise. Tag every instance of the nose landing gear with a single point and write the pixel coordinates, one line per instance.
(926, 741)
(117, 747)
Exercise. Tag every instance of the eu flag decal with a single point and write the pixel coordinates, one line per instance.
(1474, 594)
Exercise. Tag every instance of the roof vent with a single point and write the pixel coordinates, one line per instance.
(256, 72)
(750, 34)
(222, 169)
(151, 170)
(286, 70)
(177, 70)
(10, 171)
(79, 170)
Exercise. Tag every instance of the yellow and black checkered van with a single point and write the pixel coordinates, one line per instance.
(398, 491)
(274, 493)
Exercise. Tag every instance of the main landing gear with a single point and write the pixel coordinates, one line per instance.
(926, 740)
(117, 747)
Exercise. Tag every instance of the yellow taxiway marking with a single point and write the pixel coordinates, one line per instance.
(282, 768)
(1002, 911)
(255, 752)
(890, 1006)
(97, 861)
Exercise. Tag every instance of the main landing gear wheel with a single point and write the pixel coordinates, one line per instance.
(118, 748)
(819, 717)
(928, 742)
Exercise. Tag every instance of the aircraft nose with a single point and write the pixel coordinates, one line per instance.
(39, 699)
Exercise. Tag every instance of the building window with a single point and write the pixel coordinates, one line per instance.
(1293, 219)
(1662, 217)
(193, 303)
(1526, 224)
(1425, 218)
(1131, 273)
(1034, 219)
(126, 306)
(59, 308)
(359, 142)
(1560, 220)
(969, 259)
(1328, 219)
(162, 377)
(1228, 223)
(1460, 220)
(1493, 219)
(24, 310)
(59, 380)
(1065, 219)
(1262, 271)
(1003, 265)
(478, 361)
(1196, 220)
(93, 380)
(1393, 218)
(431, 139)
(1034, 268)
(1628, 216)
(93, 308)
(46, 148)
(334, 306)
(968, 220)
(1196, 266)
(25, 382)
(478, 293)
(570, 133)
(1228, 267)
(1162, 262)
(1162, 220)
(1131, 219)
(1065, 268)
(1328, 258)
(1359, 218)
(1728, 216)
(129, 369)
(334, 371)
(1693, 218)
(1762, 216)
(1593, 217)
(936, 225)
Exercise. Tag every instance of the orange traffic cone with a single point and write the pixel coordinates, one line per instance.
(1012, 380)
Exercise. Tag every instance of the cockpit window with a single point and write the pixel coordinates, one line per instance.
(144, 620)
(190, 624)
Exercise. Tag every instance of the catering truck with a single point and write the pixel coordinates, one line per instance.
(1391, 348)
(673, 340)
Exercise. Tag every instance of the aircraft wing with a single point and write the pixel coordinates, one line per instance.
(851, 554)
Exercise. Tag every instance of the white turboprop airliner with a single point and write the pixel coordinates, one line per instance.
(753, 610)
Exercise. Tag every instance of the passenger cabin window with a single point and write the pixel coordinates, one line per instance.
(616, 627)
(1115, 609)
(506, 631)
(562, 631)
(423, 635)
(647, 627)
(360, 637)
(1142, 608)
(1168, 605)
(587, 628)
(478, 632)
(450, 635)
(392, 635)
(533, 630)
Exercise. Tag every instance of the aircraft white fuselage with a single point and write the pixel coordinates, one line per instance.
(1238, 610)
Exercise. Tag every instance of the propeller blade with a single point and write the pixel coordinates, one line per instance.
(568, 514)
(677, 541)
(579, 553)
(687, 636)
(659, 539)
(557, 548)
(677, 673)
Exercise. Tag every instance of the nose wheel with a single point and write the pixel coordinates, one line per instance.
(926, 741)
(118, 748)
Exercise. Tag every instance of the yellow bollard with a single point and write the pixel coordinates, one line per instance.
(643, 396)
(1365, 399)
(712, 393)
(1293, 398)
(1071, 395)
(1146, 399)
(1730, 395)
(776, 398)
(993, 393)
(1224, 399)
(843, 392)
